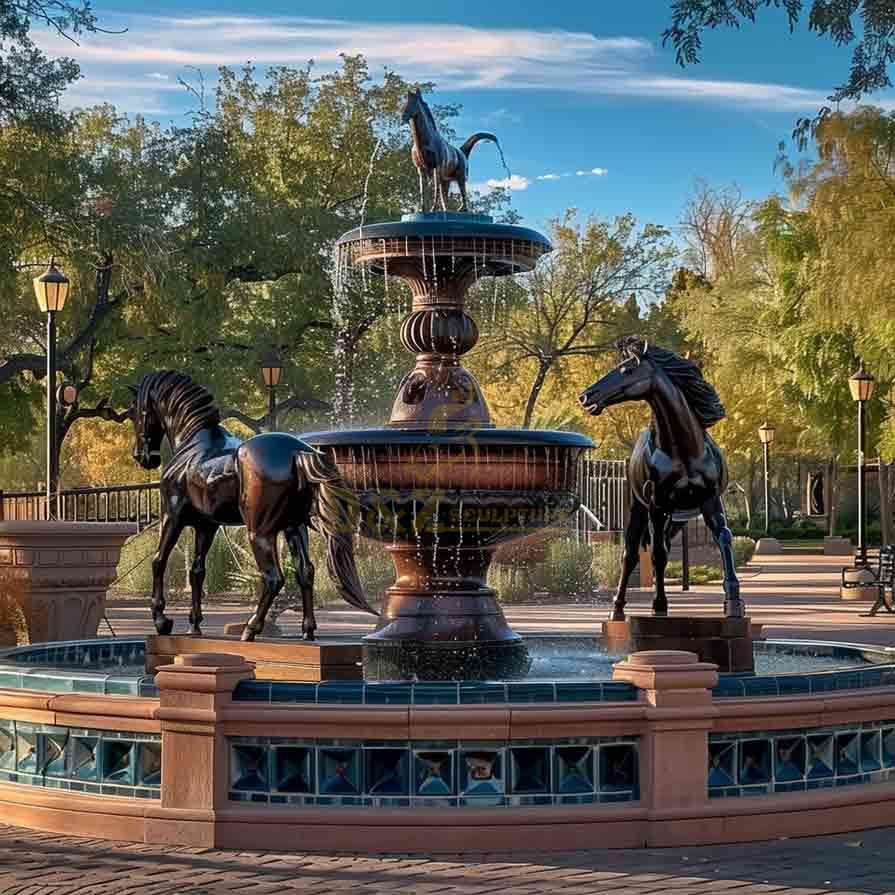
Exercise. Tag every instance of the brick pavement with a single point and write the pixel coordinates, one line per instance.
(33, 863)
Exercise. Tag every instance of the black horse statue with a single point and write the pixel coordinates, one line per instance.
(434, 157)
(676, 470)
(271, 483)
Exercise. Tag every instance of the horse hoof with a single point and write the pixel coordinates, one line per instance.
(310, 635)
(164, 625)
(195, 631)
(617, 615)
(248, 634)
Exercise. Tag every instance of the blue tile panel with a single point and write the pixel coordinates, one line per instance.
(451, 774)
(99, 762)
(765, 762)
(108, 667)
(434, 693)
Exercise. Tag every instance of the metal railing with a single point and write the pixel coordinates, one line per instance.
(109, 503)
(603, 491)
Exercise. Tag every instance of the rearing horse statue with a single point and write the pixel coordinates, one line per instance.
(434, 156)
(676, 470)
(271, 483)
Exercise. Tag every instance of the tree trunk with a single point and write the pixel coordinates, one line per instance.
(533, 394)
(885, 511)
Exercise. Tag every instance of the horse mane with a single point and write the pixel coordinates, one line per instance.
(699, 394)
(187, 405)
(428, 114)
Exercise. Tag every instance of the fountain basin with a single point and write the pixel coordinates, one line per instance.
(206, 755)
(442, 502)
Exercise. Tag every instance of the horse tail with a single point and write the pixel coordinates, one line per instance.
(466, 148)
(336, 505)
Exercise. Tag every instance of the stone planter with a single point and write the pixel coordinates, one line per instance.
(54, 577)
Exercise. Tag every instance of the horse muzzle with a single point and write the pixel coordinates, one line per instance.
(150, 459)
(592, 406)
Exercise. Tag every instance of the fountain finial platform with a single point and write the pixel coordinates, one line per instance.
(440, 255)
(440, 485)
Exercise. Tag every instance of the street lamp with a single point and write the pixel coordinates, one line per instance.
(766, 433)
(861, 385)
(51, 289)
(272, 371)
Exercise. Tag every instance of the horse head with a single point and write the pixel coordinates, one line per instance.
(630, 380)
(413, 106)
(148, 429)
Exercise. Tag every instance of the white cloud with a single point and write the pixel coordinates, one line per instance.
(457, 57)
(514, 182)
(549, 177)
(599, 172)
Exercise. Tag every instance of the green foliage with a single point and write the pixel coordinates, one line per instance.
(607, 564)
(674, 571)
(566, 568)
(743, 550)
(839, 21)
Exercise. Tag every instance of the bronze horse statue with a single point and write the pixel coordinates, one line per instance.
(676, 471)
(434, 156)
(271, 483)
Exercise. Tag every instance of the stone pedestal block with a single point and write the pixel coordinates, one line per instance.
(54, 577)
(726, 642)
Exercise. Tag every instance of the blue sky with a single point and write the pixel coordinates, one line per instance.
(568, 86)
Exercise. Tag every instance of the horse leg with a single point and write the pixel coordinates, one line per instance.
(633, 537)
(297, 539)
(171, 528)
(464, 199)
(264, 549)
(203, 540)
(713, 513)
(422, 190)
(659, 521)
(435, 180)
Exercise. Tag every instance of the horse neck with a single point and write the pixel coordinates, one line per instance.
(423, 130)
(176, 434)
(678, 432)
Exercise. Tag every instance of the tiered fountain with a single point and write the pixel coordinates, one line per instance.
(440, 485)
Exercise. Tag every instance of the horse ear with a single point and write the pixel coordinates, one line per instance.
(419, 92)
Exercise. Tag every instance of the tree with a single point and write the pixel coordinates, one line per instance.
(574, 293)
(836, 19)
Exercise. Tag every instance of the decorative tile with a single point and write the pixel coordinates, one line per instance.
(722, 764)
(888, 738)
(755, 762)
(293, 769)
(27, 746)
(821, 761)
(848, 754)
(340, 771)
(789, 759)
(118, 764)
(434, 773)
(7, 746)
(481, 776)
(82, 758)
(618, 768)
(53, 752)
(387, 772)
(148, 769)
(248, 767)
(573, 769)
(529, 771)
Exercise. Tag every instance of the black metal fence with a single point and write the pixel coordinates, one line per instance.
(110, 503)
(603, 492)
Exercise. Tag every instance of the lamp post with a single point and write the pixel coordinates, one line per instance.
(861, 385)
(766, 433)
(272, 371)
(51, 289)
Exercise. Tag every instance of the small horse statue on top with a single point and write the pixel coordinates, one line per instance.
(434, 156)
(676, 470)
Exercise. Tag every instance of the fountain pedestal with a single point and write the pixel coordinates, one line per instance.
(726, 642)
(440, 485)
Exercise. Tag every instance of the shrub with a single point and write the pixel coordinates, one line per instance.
(512, 582)
(607, 563)
(567, 568)
(743, 550)
(698, 574)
